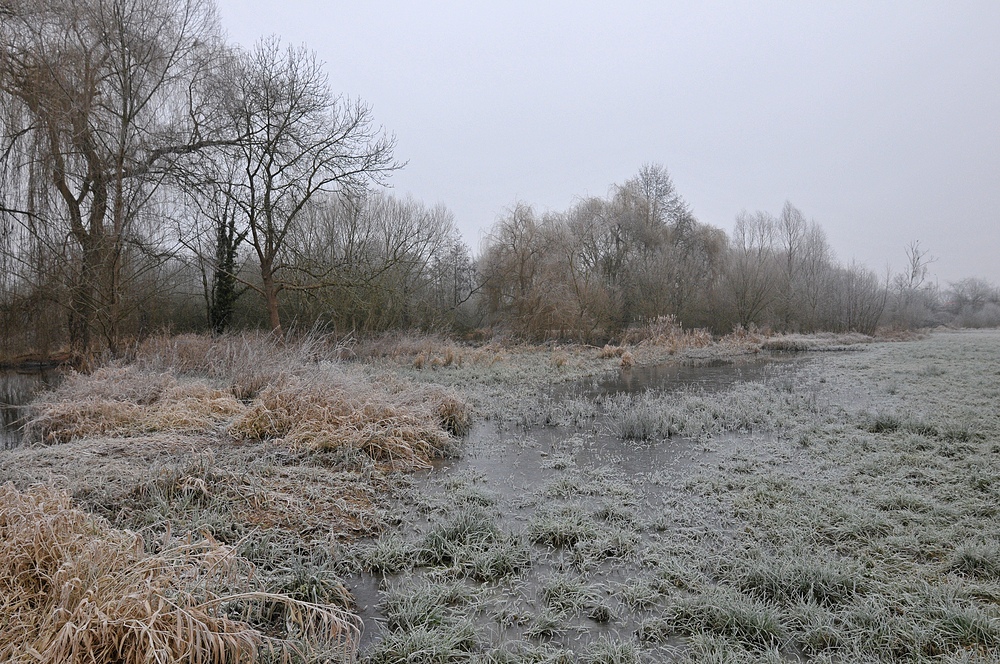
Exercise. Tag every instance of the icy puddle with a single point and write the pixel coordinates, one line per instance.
(550, 542)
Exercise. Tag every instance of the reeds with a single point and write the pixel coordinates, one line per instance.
(317, 408)
(316, 413)
(73, 589)
(125, 401)
(667, 332)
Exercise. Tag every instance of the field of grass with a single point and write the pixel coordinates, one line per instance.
(843, 508)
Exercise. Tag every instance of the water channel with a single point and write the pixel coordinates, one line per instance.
(17, 388)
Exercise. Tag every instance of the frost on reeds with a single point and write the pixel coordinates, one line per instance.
(318, 406)
(323, 413)
(125, 401)
(828, 341)
(74, 589)
(666, 331)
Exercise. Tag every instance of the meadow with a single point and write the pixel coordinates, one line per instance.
(418, 500)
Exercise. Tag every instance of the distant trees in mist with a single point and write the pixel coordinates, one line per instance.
(609, 263)
(153, 177)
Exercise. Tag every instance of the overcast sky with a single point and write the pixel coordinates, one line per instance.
(880, 120)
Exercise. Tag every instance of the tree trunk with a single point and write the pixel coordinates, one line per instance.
(271, 296)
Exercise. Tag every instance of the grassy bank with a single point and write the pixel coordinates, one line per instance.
(192, 466)
(843, 509)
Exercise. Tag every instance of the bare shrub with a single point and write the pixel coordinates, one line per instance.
(76, 590)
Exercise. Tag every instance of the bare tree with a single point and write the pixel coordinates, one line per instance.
(512, 258)
(911, 292)
(858, 299)
(815, 265)
(97, 97)
(749, 274)
(379, 256)
(791, 230)
(296, 139)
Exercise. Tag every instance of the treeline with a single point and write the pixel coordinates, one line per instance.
(154, 177)
(609, 263)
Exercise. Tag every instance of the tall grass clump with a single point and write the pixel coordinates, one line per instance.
(425, 622)
(73, 589)
(979, 560)
(442, 544)
(722, 612)
(748, 407)
(612, 651)
(788, 575)
(562, 526)
(666, 331)
(325, 412)
(126, 401)
(247, 362)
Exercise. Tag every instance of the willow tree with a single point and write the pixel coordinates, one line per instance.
(97, 97)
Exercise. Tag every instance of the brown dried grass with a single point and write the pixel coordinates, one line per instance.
(745, 339)
(406, 429)
(406, 345)
(247, 362)
(819, 341)
(188, 483)
(73, 589)
(321, 407)
(667, 332)
(610, 352)
(123, 401)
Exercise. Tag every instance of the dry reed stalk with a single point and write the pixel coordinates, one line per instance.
(667, 332)
(73, 589)
(406, 347)
(609, 352)
(322, 407)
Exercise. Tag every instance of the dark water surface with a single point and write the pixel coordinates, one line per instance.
(17, 389)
